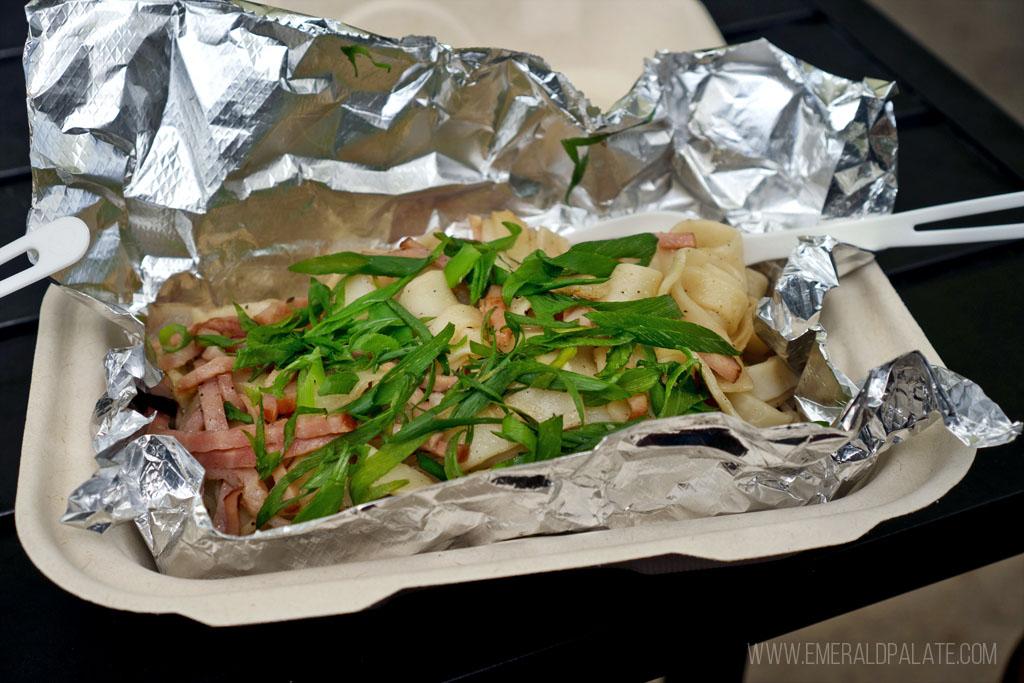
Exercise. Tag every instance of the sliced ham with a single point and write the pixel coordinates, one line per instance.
(249, 407)
(291, 491)
(210, 399)
(211, 352)
(638, 406)
(274, 407)
(254, 491)
(227, 326)
(244, 456)
(228, 391)
(208, 370)
(269, 407)
(190, 418)
(438, 445)
(306, 427)
(225, 517)
(677, 240)
(493, 308)
(169, 361)
(726, 367)
(273, 312)
(441, 382)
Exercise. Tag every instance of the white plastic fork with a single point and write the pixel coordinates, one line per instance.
(56, 245)
(873, 233)
(62, 242)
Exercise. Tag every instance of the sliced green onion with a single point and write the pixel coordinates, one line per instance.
(167, 334)
(564, 356)
(549, 438)
(452, 470)
(431, 466)
(460, 264)
(338, 383)
(217, 340)
(235, 414)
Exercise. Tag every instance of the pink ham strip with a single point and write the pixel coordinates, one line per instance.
(225, 517)
(274, 407)
(438, 445)
(169, 361)
(269, 407)
(234, 458)
(676, 240)
(249, 407)
(208, 370)
(441, 382)
(227, 326)
(290, 491)
(638, 406)
(726, 367)
(190, 418)
(307, 427)
(254, 492)
(274, 312)
(227, 390)
(211, 352)
(213, 406)
(493, 305)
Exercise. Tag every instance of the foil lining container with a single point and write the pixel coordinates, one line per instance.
(670, 469)
(209, 144)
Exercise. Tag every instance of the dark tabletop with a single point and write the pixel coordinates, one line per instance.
(604, 623)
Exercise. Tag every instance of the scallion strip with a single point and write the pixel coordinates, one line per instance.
(459, 265)
(167, 334)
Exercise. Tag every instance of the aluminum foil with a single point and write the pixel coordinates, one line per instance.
(209, 144)
(660, 470)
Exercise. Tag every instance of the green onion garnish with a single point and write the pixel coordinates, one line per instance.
(169, 332)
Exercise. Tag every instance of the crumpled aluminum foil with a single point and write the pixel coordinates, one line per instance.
(787, 321)
(209, 144)
(669, 469)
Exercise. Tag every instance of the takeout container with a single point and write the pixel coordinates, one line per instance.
(868, 325)
(867, 321)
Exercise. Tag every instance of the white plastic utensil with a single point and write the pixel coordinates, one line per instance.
(873, 232)
(64, 241)
(57, 244)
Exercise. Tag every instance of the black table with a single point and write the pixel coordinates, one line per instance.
(604, 623)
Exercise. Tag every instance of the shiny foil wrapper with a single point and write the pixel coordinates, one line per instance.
(670, 469)
(209, 144)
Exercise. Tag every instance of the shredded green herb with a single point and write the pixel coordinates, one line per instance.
(235, 415)
(351, 51)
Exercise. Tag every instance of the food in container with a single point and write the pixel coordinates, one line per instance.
(402, 369)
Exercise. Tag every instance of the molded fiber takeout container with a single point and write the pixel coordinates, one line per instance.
(867, 323)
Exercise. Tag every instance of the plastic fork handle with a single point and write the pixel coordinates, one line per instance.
(59, 244)
(777, 245)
